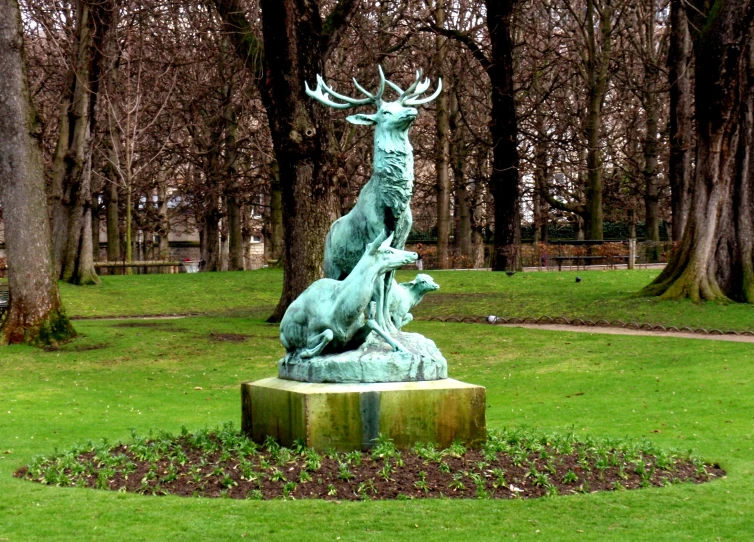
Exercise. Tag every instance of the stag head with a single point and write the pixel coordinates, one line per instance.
(394, 116)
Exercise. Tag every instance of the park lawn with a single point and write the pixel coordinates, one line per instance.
(144, 374)
(609, 295)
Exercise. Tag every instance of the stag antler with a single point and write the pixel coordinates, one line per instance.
(417, 88)
(410, 96)
(320, 94)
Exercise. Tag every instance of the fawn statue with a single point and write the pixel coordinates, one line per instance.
(406, 295)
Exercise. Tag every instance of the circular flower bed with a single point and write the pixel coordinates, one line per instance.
(225, 463)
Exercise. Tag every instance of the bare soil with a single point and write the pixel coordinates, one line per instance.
(187, 470)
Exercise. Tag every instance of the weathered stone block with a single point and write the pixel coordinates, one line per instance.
(350, 416)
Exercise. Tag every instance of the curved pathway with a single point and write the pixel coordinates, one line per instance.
(628, 331)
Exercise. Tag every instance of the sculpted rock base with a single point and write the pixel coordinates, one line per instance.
(352, 416)
(373, 361)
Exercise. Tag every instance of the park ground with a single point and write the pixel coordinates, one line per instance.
(161, 374)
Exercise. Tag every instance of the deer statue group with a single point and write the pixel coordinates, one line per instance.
(384, 202)
(365, 247)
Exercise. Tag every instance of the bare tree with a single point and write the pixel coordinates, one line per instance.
(36, 314)
(296, 44)
(715, 259)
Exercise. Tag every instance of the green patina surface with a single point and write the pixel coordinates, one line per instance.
(351, 416)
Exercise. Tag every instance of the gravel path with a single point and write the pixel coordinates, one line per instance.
(642, 332)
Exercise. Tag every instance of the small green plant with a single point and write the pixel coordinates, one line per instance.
(456, 449)
(384, 448)
(457, 484)
(344, 472)
(385, 472)
(332, 491)
(304, 477)
(354, 458)
(277, 476)
(228, 482)
(254, 495)
(289, 488)
(499, 478)
(570, 477)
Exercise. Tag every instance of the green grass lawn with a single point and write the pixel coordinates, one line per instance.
(601, 294)
(145, 374)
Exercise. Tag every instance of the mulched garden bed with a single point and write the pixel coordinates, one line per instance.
(225, 463)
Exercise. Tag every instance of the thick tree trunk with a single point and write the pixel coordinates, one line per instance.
(72, 192)
(293, 55)
(681, 117)
(442, 158)
(36, 314)
(504, 181)
(715, 256)
(295, 46)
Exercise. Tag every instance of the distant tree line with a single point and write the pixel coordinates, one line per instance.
(156, 116)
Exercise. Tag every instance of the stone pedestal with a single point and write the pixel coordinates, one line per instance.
(350, 416)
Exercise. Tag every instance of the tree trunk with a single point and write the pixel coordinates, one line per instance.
(274, 239)
(681, 118)
(72, 192)
(458, 154)
(235, 235)
(442, 128)
(504, 182)
(715, 256)
(598, 60)
(163, 231)
(211, 226)
(293, 55)
(36, 314)
(234, 221)
(651, 80)
(541, 174)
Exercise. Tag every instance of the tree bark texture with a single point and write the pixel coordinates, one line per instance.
(504, 181)
(273, 242)
(72, 193)
(442, 158)
(36, 314)
(680, 62)
(458, 155)
(715, 257)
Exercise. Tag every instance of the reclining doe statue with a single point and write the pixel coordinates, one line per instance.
(329, 314)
